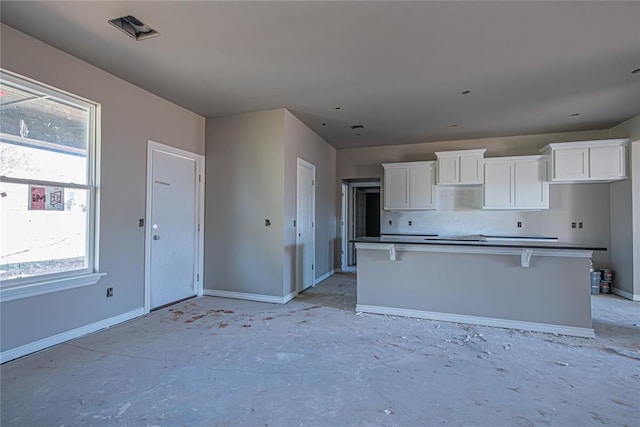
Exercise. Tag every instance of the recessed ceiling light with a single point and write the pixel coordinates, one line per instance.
(338, 108)
(357, 134)
(636, 71)
(466, 92)
(324, 124)
(134, 28)
(357, 127)
(454, 126)
(575, 114)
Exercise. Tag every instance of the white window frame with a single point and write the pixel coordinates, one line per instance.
(26, 287)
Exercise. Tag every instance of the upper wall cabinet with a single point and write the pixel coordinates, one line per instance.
(588, 161)
(409, 186)
(460, 167)
(516, 183)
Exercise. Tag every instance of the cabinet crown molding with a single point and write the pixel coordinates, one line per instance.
(408, 164)
(533, 158)
(460, 152)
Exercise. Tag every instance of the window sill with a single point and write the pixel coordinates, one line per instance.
(49, 286)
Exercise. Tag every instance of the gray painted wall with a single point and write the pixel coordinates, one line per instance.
(625, 213)
(130, 116)
(252, 176)
(300, 141)
(245, 186)
(588, 203)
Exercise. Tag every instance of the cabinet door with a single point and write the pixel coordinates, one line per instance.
(531, 188)
(498, 185)
(421, 195)
(570, 164)
(471, 169)
(607, 162)
(449, 170)
(396, 192)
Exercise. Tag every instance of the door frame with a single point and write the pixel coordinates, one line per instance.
(199, 264)
(299, 278)
(350, 216)
(343, 227)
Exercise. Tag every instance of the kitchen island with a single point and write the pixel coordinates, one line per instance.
(532, 285)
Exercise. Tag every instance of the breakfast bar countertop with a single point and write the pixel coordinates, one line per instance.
(479, 241)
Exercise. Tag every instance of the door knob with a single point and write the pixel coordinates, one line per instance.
(156, 237)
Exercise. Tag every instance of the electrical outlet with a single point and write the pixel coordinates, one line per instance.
(579, 225)
(390, 222)
(109, 292)
(410, 223)
(519, 224)
(573, 225)
(141, 222)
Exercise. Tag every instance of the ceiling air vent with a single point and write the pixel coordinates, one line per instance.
(134, 28)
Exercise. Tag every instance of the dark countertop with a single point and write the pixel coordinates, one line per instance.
(476, 241)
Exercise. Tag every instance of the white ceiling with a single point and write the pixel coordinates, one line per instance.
(398, 68)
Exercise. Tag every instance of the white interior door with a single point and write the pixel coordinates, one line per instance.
(343, 228)
(305, 219)
(173, 225)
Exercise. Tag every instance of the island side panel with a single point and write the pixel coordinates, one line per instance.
(552, 290)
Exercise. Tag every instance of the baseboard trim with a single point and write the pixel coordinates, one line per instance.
(249, 297)
(349, 269)
(44, 343)
(625, 294)
(324, 277)
(476, 320)
(289, 297)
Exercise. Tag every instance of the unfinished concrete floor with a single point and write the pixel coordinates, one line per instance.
(315, 362)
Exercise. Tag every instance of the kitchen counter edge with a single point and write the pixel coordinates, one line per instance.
(485, 244)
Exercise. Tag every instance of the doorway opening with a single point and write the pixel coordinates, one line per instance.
(360, 216)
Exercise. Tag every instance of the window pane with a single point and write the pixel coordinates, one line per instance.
(32, 163)
(38, 241)
(42, 137)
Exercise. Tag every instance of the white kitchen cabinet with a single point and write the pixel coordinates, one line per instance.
(409, 186)
(460, 167)
(396, 187)
(498, 184)
(587, 161)
(608, 162)
(516, 183)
